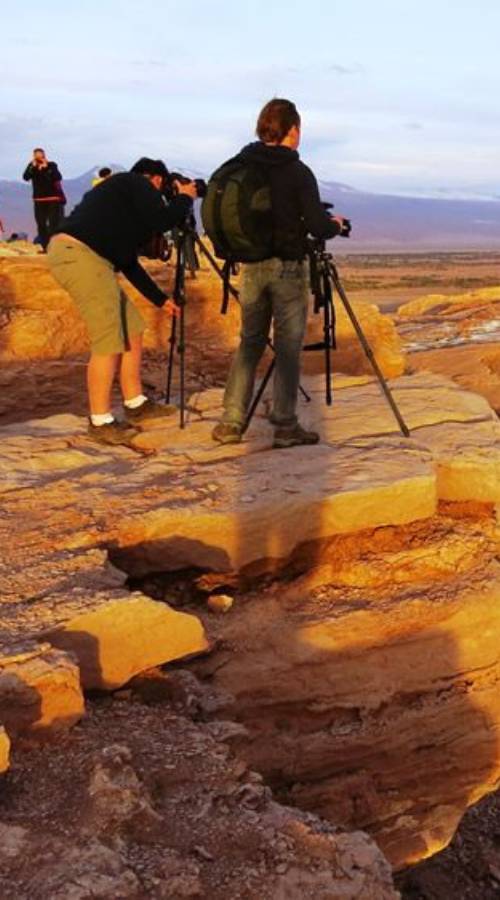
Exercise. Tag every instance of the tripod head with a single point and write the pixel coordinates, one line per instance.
(321, 265)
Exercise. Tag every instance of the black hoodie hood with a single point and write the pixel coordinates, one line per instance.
(268, 154)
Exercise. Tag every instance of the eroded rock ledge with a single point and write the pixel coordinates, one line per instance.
(369, 685)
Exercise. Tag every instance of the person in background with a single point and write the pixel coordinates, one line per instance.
(48, 195)
(102, 174)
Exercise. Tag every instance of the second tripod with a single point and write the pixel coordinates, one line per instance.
(324, 280)
(177, 338)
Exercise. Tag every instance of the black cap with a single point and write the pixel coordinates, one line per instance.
(146, 166)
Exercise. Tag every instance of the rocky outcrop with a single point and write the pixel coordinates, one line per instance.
(379, 714)
(196, 504)
(4, 750)
(463, 309)
(363, 683)
(11, 249)
(113, 640)
(457, 336)
(39, 321)
(170, 814)
(40, 690)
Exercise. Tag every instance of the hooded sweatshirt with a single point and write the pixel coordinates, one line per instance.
(119, 216)
(296, 206)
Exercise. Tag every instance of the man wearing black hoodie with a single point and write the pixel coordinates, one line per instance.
(103, 236)
(276, 289)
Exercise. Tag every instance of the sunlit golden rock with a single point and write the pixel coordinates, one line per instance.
(117, 639)
(4, 750)
(40, 690)
(457, 336)
(38, 320)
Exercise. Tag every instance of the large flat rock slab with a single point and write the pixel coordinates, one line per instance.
(197, 504)
(116, 639)
(69, 505)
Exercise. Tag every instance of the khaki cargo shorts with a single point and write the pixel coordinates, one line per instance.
(111, 318)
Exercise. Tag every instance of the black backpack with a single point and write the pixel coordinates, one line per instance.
(236, 212)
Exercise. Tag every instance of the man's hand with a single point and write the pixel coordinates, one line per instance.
(188, 188)
(172, 308)
(338, 219)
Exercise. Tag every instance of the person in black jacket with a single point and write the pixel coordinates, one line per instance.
(48, 195)
(103, 236)
(276, 289)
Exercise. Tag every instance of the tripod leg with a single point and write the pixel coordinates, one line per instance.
(170, 366)
(181, 302)
(182, 348)
(327, 337)
(256, 400)
(368, 351)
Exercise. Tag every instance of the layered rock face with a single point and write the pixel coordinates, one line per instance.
(39, 321)
(457, 336)
(40, 689)
(368, 685)
(376, 705)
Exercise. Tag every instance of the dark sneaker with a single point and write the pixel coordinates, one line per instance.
(112, 433)
(293, 436)
(227, 433)
(148, 412)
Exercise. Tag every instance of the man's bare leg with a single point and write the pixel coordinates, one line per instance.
(130, 369)
(139, 409)
(101, 372)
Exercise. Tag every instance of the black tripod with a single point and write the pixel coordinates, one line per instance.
(324, 280)
(178, 342)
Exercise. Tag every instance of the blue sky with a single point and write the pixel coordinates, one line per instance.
(397, 97)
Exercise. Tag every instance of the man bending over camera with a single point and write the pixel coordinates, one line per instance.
(103, 236)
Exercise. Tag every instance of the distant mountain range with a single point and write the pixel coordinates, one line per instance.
(381, 222)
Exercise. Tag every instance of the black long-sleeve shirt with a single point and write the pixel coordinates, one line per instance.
(45, 182)
(118, 216)
(296, 206)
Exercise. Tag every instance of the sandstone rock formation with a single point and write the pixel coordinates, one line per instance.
(113, 640)
(364, 684)
(457, 336)
(39, 321)
(478, 305)
(39, 689)
(199, 504)
(10, 249)
(4, 750)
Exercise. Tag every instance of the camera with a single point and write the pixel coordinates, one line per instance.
(169, 189)
(346, 227)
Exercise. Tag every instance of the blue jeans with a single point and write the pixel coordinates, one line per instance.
(271, 291)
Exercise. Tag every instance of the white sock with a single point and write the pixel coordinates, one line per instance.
(135, 402)
(102, 419)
